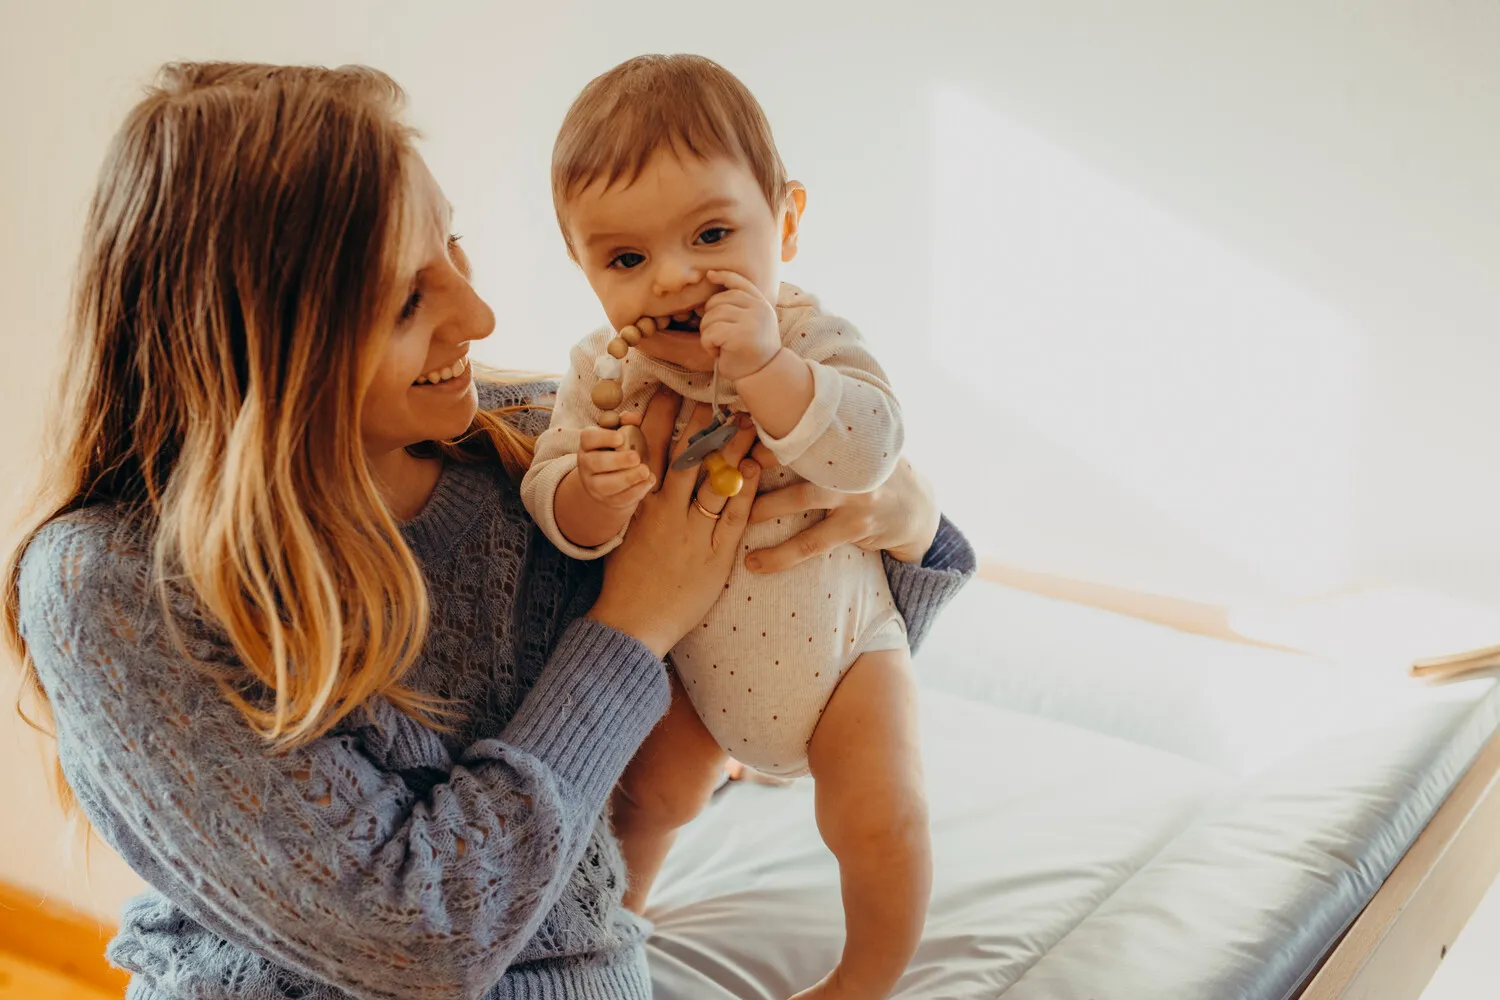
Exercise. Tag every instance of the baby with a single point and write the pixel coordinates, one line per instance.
(673, 200)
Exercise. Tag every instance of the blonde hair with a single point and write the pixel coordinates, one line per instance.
(651, 102)
(237, 263)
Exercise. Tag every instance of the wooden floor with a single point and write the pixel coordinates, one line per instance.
(20, 980)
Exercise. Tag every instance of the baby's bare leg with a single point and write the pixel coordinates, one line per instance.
(872, 812)
(667, 784)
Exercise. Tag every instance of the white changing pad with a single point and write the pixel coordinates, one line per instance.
(1119, 810)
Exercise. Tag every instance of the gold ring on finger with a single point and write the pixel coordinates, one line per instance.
(704, 510)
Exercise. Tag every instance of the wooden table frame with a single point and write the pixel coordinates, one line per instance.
(1392, 948)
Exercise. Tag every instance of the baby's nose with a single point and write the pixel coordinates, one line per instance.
(674, 277)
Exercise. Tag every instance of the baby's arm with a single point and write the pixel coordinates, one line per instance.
(581, 491)
(848, 436)
(819, 399)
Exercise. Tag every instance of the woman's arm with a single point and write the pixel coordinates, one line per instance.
(927, 559)
(316, 857)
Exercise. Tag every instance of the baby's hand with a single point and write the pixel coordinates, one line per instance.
(614, 479)
(739, 326)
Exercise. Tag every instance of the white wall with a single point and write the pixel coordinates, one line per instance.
(1193, 297)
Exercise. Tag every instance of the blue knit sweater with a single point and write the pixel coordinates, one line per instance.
(387, 859)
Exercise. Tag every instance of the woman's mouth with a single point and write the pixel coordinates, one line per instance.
(448, 376)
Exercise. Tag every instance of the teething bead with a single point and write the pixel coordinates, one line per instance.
(723, 478)
(606, 394)
(608, 366)
(630, 335)
(618, 348)
(646, 325)
(609, 419)
(635, 440)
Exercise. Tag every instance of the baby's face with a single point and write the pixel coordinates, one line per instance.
(646, 247)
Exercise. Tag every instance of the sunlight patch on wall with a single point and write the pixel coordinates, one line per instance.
(1168, 363)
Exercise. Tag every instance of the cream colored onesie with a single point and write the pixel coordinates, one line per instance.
(773, 648)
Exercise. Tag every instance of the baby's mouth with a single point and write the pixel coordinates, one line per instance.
(683, 322)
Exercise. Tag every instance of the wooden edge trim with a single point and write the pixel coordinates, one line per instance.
(1195, 617)
(1393, 947)
(1489, 654)
(1447, 668)
(58, 937)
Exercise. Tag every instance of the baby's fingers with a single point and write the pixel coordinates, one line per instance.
(619, 486)
(597, 439)
(597, 463)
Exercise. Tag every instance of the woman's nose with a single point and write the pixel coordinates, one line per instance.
(475, 320)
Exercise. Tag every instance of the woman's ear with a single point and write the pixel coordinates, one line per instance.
(794, 204)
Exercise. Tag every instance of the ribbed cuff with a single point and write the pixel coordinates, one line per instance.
(922, 591)
(539, 492)
(593, 705)
(828, 393)
(622, 977)
(950, 550)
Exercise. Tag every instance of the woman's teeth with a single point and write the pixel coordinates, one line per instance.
(444, 374)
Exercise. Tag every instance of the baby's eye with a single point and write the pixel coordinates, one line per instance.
(627, 260)
(714, 234)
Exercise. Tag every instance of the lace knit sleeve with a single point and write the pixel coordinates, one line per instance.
(535, 397)
(317, 858)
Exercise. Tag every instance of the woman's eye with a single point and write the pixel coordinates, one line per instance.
(459, 258)
(713, 234)
(627, 260)
(409, 307)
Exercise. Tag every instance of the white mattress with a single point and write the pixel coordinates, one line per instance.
(1119, 810)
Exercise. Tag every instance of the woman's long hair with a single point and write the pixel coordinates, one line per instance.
(236, 266)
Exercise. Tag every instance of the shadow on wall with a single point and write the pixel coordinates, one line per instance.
(1083, 330)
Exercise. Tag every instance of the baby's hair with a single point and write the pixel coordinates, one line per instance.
(681, 102)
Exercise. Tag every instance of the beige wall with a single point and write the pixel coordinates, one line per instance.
(1199, 298)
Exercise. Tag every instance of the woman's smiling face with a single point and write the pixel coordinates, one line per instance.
(422, 388)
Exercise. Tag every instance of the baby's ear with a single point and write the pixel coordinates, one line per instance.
(793, 205)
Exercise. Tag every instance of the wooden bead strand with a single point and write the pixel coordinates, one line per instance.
(608, 392)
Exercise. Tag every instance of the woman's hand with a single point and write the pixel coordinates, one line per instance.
(900, 516)
(676, 556)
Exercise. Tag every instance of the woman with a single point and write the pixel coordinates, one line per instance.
(319, 680)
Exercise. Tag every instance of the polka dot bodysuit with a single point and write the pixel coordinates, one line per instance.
(763, 664)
